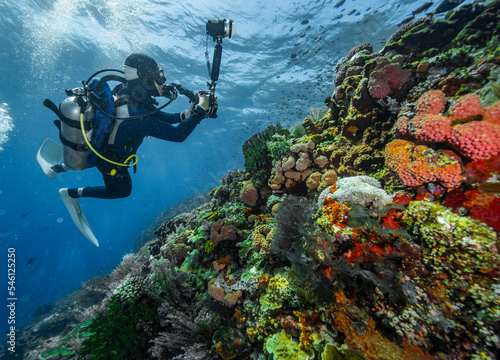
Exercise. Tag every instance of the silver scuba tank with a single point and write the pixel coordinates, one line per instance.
(75, 148)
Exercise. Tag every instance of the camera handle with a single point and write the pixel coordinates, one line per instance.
(213, 73)
(214, 69)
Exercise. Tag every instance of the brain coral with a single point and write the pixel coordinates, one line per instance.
(416, 165)
(360, 190)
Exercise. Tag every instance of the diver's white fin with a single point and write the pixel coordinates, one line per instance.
(76, 213)
(49, 154)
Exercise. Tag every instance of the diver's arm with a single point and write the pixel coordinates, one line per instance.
(151, 126)
(169, 118)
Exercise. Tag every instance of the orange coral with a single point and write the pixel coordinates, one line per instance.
(336, 213)
(218, 293)
(373, 344)
(417, 165)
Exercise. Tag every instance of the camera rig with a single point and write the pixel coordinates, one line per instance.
(218, 29)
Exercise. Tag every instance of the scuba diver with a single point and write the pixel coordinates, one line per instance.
(136, 117)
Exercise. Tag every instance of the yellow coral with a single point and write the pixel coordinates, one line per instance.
(277, 290)
(261, 239)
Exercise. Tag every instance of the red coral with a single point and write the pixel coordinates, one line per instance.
(484, 207)
(386, 76)
(417, 165)
(391, 220)
(481, 170)
(462, 129)
(401, 125)
(455, 199)
(492, 113)
(427, 124)
(490, 216)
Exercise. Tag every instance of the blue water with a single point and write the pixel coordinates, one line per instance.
(48, 46)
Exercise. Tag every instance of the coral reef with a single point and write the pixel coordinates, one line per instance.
(369, 231)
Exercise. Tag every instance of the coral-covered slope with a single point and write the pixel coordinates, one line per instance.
(369, 231)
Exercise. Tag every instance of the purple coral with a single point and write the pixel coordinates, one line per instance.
(387, 76)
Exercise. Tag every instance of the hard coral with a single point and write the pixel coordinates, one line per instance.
(477, 139)
(455, 245)
(472, 129)
(416, 165)
(360, 190)
(432, 102)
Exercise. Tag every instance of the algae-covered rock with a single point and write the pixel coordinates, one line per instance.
(456, 244)
(344, 352)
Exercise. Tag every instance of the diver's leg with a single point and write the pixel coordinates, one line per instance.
(118, 185)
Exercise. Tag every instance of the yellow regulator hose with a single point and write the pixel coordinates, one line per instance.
(125, 163)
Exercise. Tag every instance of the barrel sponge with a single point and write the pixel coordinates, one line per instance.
(360, 190)
(417, 165)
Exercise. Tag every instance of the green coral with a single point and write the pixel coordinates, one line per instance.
(283, 347)
(116, 334)
(209, 247)
(79, 332)
(278, 149)
(232, 213)
(255, 149)
(132, 288)
(55, 351)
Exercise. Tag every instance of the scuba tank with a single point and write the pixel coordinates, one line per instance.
(75, 149)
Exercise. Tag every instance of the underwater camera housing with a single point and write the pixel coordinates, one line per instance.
(219, 29)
